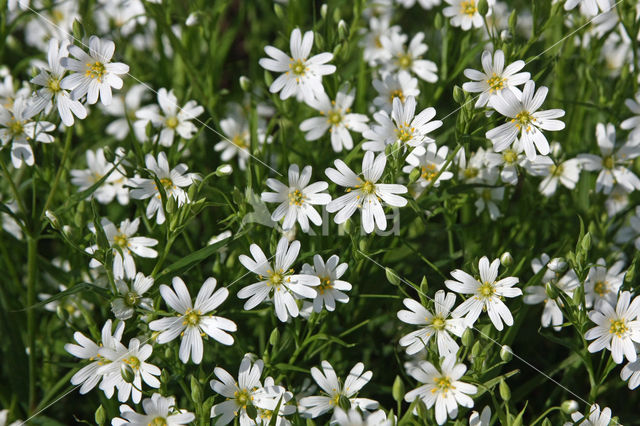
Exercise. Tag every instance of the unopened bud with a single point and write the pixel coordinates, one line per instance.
(343, 31)
(551, 290)
(505, 392)
(414, 175)
(245, 83)
(513, 21)
(438, 21)
(323, 11)
(458, 94)
(392, 277)
(475, 350)
(585, 244)
(171, 206)
(467, 337)
(397, 391)
(506, 354)
(78, 30)
(483, 7)
(277, 9)
(108, 154)
(569, 406)
(53, 220)
(424, 285)
(546, 422)
(100, 416)
(196, 390)
(506, 259)
(274, 337)
(193, 19)
(252, 412)
(224, 170)
(127, 373)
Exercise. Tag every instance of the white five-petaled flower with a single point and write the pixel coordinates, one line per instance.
(399, 85)
(93, 74)
(525, 120)
(170, 117)
(631, 373)
(51, 92)
(430, 163)
(595, 417)
(364, 194)
(302, 76)
(373, 51)
(123, 243)
(97, 168)
(124, 306)
(331, 287)
(277, 283)
(442, 387)
(403, 127)
(172, 181)
(464, 13)
(17, 127)
(124, 107)
(409, 58)
(603, 283)
(589, 7)
(87, 349)
(193, 320)
(134, 358)
(566, 173)
(633, 123)
(495, 77)
(297, 199)
(613, 163)
(158, 410)
(486, 293)
(617, 328)
(482, 419)
(354, 418)
(247, 390)
(334, 389)
(439, 325)
(337, 118)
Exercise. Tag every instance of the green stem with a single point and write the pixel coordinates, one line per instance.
(14, 188)
(32, 265)
(54, 187)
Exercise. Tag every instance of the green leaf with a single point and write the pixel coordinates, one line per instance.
(274, 416)
(80, 287)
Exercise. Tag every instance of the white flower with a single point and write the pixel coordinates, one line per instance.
(51, 92)
(403, 127)
(170, 117)
(479, 169)
(337, 118)
(409, 59)
(158, 411)
(596, 417)
(17, 128)
(237, 141)
(442, 388)
(430, 164)
(133, 357)
(97, 168)
(464, 13)
(613, 163)
(270, 396)
(509, 161)
(123, 243)
(247, 390)
(277, 283)
(603, 283)
(483, 419)
(426, 4)
(617, 328)
(93, 74)
(193, 320)
(302, 76)
(354, 418)
(486, 293)
(87, 349)
(172, 180)
(439, 325)
(297, 199)
(124, 306)
(488, 198)
(394, 85)
(631, 373)
(588, 7)
(495, 78)
(617, 201)
(364, 194)
(373, 51)
(567, 173)
(331, 287)
(124, 107)
(334, 389)
(525, 119)
(633, 123)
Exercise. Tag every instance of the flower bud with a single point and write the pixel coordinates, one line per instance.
(196, 390)
(252, 412)
(397, 391)
(551, 290)
(546, 422)
(483, 7)
(245, 83)
(506, 259)
(109, 155)
(343, 31)
(569, 406)
(424, 285)
(467, 337)
(277, 9)
(505, 392)
(585, 244)
(78, 30)
(268, 79)
(274, 337)
(392, 277)
(458, 94)
(513, 21)
(127, 373)
(53, 220)
(100, 416)
(323, 11)
(414, 175)
(506, 354)
(224, 170)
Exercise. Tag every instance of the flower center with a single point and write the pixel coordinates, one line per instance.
(131, 299)
(167, 183)
(53, 84)
(438, 322)
(369, 187)
(468, 7)
(239, 141)
(618, 327)
(191, 317)
(158, 421)
(523, 120)
(16, 127)
(443, 384)
(429, 171)
(96, 70)
(298, 67)
(396, 94)
(172, 122)
(509, 156)
(601, 287)
(495, 83)
(325, 284)
(486, 194)
(121, 240)
(608, 162)
(276, 278)
(486, 290)
(377, 42)
(133, 362)
(296, 198)
(334, 118)
(404, 60)
(405, 132)
(471, 172)
(242, 397)
(556, 170)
